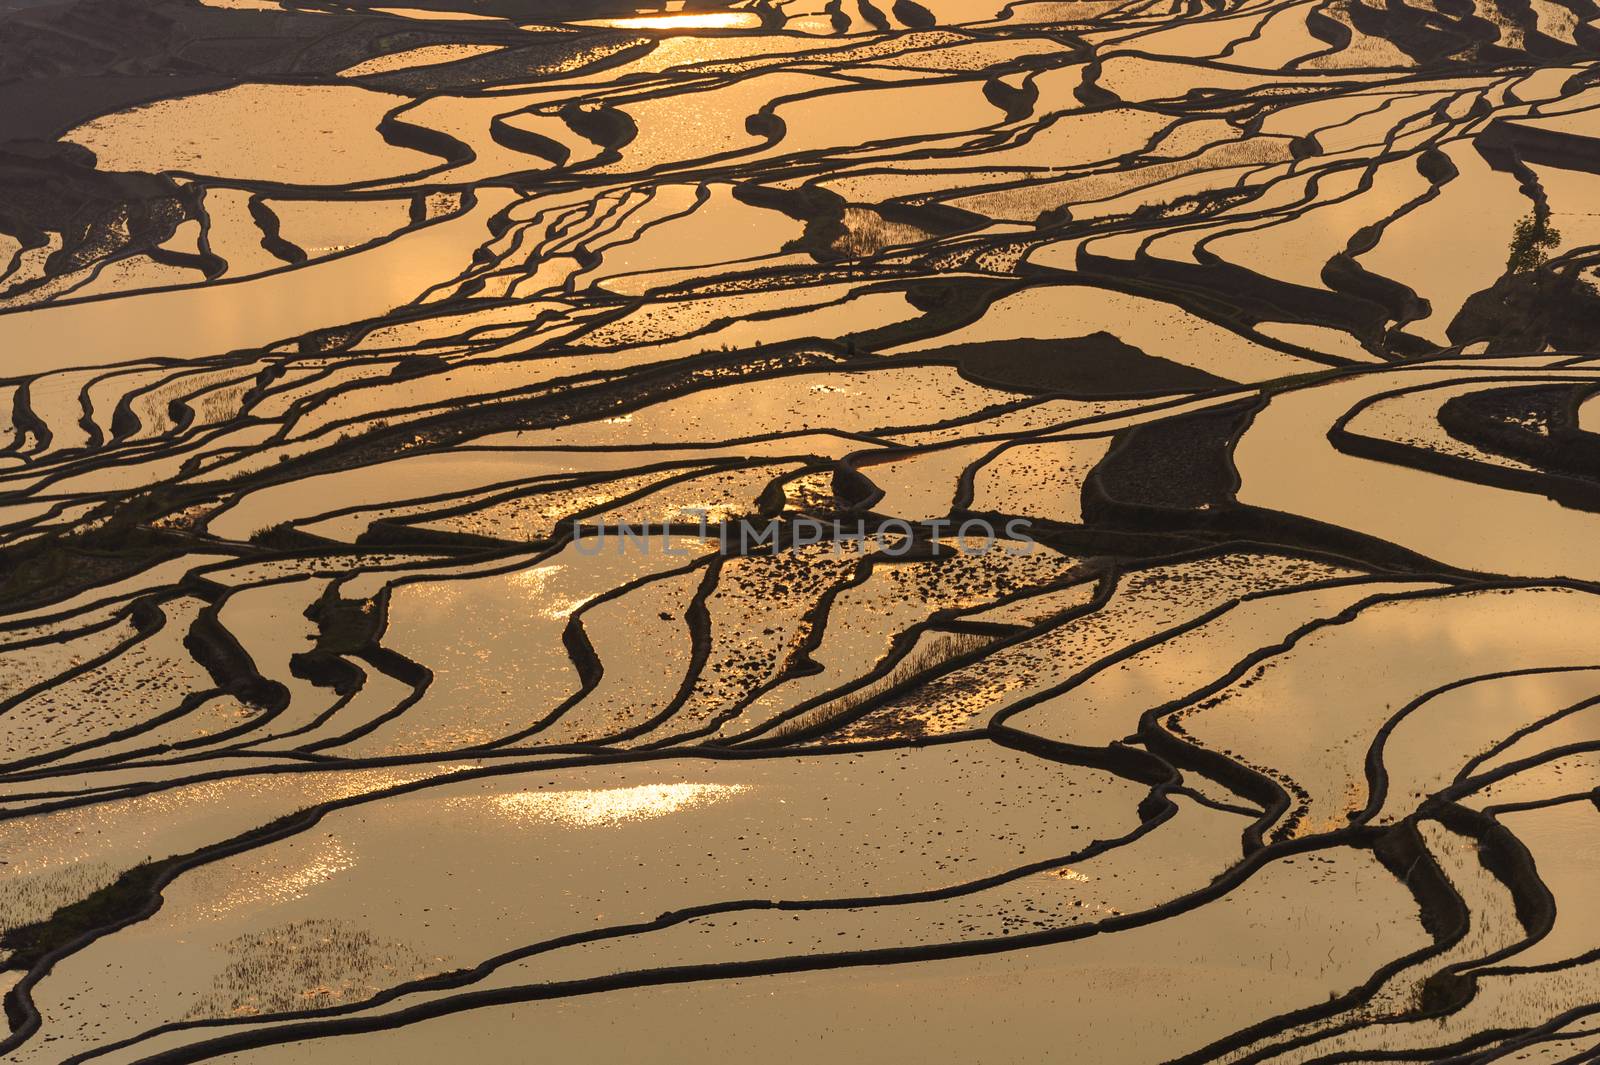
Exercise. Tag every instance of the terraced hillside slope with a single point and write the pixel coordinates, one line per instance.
(1211, 394)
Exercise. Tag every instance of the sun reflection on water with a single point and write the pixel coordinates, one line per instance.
(260, 888)
(728, 20)
(603, 806)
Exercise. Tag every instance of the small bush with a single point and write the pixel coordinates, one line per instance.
(1530, 243)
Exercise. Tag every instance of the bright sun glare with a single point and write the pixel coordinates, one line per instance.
(726, 20)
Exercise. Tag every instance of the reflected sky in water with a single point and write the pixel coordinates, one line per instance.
(729, 20)
(604, 807)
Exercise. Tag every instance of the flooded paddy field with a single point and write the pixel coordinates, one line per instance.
(815, 530)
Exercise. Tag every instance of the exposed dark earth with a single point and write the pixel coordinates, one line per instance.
(1214, 386)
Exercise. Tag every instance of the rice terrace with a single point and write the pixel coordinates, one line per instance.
(898, 532)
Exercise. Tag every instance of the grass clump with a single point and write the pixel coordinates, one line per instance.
(925, 659)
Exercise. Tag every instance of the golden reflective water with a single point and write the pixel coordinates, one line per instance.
(1195, 405)
(682, 22)
(280, 885)
(604, 807)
